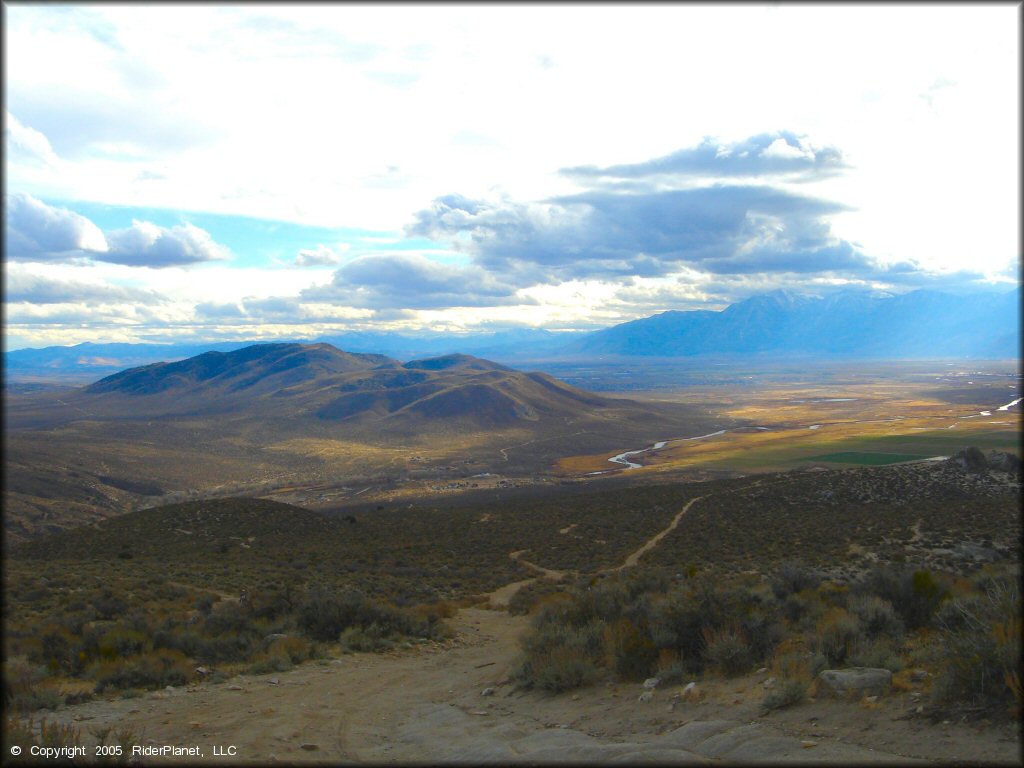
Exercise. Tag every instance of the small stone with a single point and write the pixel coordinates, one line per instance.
(918, 675)
(575, 697)
(870, 699)
(202, 671)
(487, 692)
(169, 688)
(479, 712)
(808, 744)
(652, 682)
(195, 724)
(691, 691)
(234, 688)
(769, 683)
(309, 747)
(761, 671)
(274, 681)
(645, 697)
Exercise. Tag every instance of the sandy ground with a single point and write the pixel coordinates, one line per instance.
(454, 701)
(425, 704)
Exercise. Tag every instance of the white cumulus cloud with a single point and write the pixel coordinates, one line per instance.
(144, 244)
(35, 231)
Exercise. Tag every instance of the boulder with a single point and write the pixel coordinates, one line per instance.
(856, 681)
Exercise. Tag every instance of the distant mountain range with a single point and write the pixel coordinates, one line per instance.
(851, 324)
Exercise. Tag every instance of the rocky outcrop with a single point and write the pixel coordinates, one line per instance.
(856, 681)
(973, 460)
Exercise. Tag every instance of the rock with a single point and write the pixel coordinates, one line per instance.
(807, 743)
(309, 747)
(769, 683)
(918, 676)
(977, 552)
(202, 671)
(274, 681)
(234, 688)
(691, 692)
(762, 671)
(1004, 462)
(859, 681)
(274, 638)
(645, 697)
(487, 692)
(970, 460)
(652, 682)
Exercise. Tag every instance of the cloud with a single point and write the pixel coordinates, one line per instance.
(147, 245)
(35, 231)
(25, 143)
(780, 154)
(411, 281)
(616, 235)
(38, 289)
(321, 256)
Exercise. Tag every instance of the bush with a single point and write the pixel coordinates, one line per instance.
(914, 595)
(557, 657)
(979, 649)
(791, 578)
(628, 649)
(156, 669)
(372, 639)
(876, 616)
(880, 653)
(838, 631)
(727, 651)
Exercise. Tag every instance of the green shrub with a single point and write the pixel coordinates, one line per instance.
(156, 669)
(791, 578)
(372, 639)
(914, 595)
(727, 651)
(557, 657)
(837, 633)
(881, 653)
(120, 642)
(876, 616)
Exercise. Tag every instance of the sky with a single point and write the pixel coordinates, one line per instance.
(217, 172)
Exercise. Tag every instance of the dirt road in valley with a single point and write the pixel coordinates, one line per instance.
(454, 701)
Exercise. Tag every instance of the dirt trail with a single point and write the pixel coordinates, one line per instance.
(633, 558)
(455, 702)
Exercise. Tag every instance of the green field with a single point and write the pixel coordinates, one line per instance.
(865, 458)
(890, 448)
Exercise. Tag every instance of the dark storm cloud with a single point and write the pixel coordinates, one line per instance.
(768, 154)
(410, 281)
